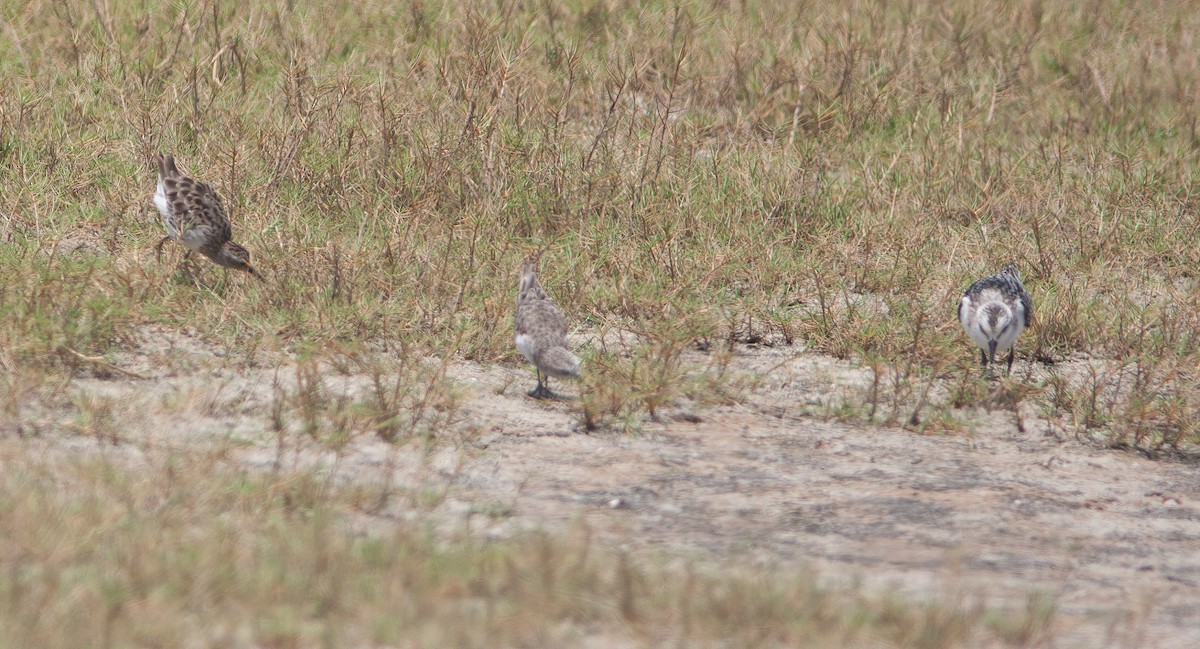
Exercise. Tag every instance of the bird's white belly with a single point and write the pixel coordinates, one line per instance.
(525, 344)
(1008, 337)
(976, 334)
(164, 208)
(969, 318)
(194, 238)
(1004, 341)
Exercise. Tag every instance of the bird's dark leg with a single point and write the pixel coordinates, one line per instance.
(190, 268)
(1011, 353)
(983, 358)
(541, 391)
(159, 247)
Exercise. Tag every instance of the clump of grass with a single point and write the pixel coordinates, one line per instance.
(58, 317)
(625, 379)
(356, 396)
(98, 418)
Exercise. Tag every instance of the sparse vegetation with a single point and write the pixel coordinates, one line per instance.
(704, 176)
(97, 554)
(760, 173)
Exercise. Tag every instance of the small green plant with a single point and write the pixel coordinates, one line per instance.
(99, 418)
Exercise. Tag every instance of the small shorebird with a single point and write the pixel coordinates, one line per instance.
(194, 215)
(994, 311)
(542, 333)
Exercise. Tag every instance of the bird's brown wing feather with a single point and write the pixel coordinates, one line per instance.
(196, 203)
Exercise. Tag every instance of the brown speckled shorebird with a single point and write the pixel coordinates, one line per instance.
(193, 214)
(542, 333)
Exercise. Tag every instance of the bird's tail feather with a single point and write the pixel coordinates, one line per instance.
(166, 165)
(559, 362)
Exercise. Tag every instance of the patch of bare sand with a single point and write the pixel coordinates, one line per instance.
(1114, 537)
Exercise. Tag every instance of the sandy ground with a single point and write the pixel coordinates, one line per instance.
(997, 513)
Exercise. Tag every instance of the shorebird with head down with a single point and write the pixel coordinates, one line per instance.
(194, 215)
(994, 311)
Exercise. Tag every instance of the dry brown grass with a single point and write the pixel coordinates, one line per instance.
(702, 175)
(730, 173)
(189, 550)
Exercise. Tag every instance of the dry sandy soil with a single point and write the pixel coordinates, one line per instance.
(997, 513)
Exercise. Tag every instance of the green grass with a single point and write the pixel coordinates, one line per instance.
(721, 170)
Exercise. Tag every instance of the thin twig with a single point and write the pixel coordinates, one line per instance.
(105, 364)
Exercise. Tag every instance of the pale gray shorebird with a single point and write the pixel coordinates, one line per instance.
(994, 311)
(541, 333)
(194, 215)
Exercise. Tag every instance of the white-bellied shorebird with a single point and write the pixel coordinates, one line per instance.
(994, 311)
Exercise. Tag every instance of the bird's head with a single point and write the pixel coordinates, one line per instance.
(232, 255)
(529, 277)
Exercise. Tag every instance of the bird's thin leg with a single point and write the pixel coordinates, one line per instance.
(190, 269)
(540, 391)
(159, 247)
(983, 358)
(1011, 353)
